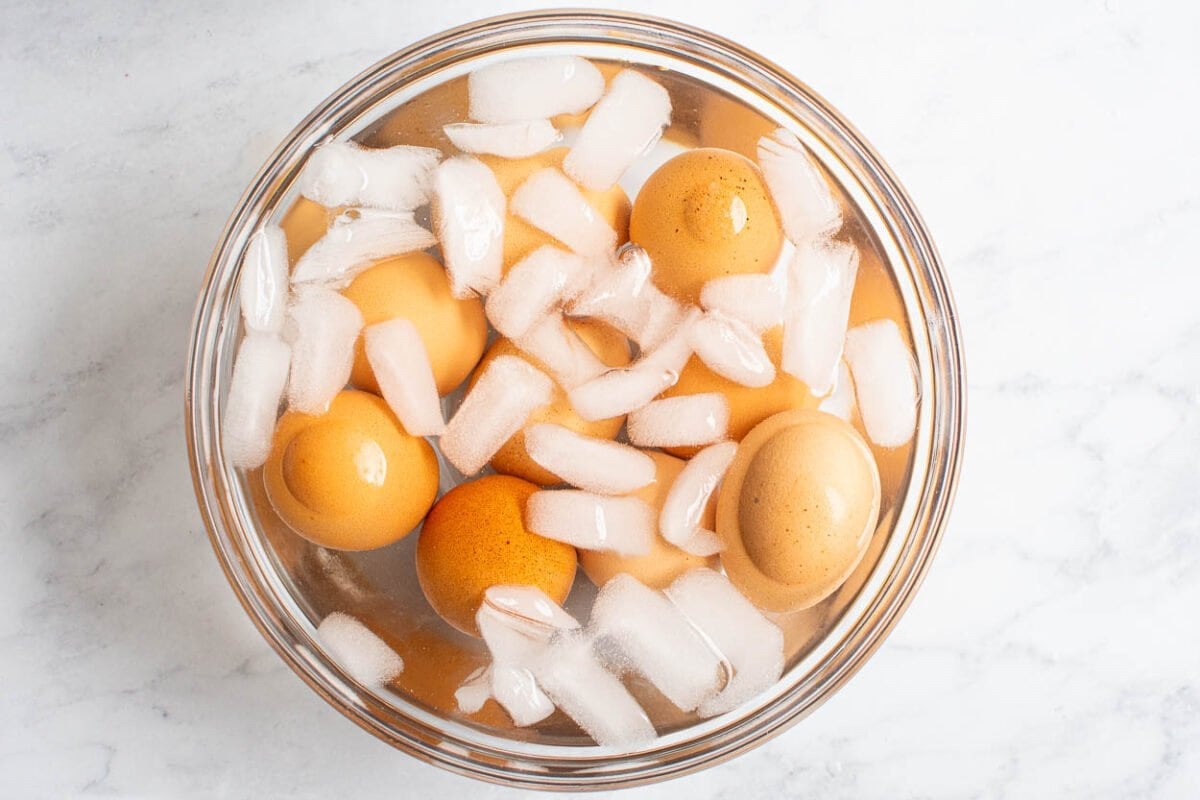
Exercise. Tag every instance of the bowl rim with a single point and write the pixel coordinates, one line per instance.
(947, 416)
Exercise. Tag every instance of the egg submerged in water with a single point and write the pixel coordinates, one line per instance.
(797, 509)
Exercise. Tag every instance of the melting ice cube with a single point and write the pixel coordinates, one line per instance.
(821, 284)
(748, 642)
(595, 465)
(731, 349)
(570, 674)
(323, 326)
(549, 201)
(805, 201)
(532, 288)
(507, 140)
(356, 239)
(840, 401)
(468, 213)
(679, 520)
(264, 280)
(533, 88)
(348, 174)
(657, 639)
(497, 406)
(757, 300)
(885, 382)
(357, 649)
(682, 421)
(560, 350)
(260, 372)
(592, 521)
(401, 366)
(627, 122)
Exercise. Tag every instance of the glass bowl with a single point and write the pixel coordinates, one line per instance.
(286, 585)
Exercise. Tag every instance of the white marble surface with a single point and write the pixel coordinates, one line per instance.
(1053, 651)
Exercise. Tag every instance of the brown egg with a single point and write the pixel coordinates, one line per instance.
(521, 238)
(747, 407)
(797, 509)
(415, 287)
(475, 537)
(665, 562)
(611, 348)
(351, 478)
(705, 214)
(303, 224)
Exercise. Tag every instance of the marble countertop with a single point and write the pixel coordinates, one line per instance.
(1054, 649)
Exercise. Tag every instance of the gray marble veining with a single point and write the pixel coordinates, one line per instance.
(1053, 651)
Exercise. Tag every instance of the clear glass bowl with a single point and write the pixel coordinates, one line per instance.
(287, 585)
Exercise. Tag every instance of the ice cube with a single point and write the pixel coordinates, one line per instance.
(348, 174)
(821, 283)
(497, 406)
(468, 213)
(732, 350)
(557, 347)
(357, 238)
(474, 691)
(840, 401)
(657, 640)
(533, 88)
(517, 622)
(533, 287)
(805, 200)
(626, 123)
(621, 294)
(687, 420)
(885, 382)
(260, 373)
(517, 691)
(750, 645)
(590, 521)
(594, 465)
(570, 674)
(550, 202)
(264, 280)
(756, 300)
(507, 140)
(357, 650)
(401, 365)
(323, 327)
(679, 520)
(620, 391)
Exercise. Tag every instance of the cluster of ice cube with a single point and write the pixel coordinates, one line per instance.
(700, 644)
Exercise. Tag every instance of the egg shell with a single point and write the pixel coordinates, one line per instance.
(665, 562)
(521, 238)
(705, 214)
(474, 538)
(610, 347)
(747, 407)
(797, 509)
(415, 286)
(351, 478)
